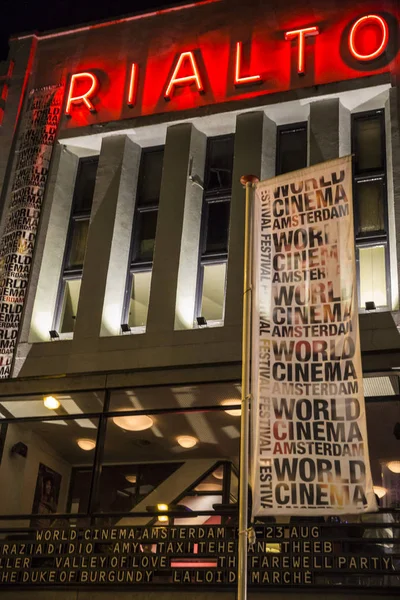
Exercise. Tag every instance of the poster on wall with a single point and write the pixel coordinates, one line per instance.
(309, 436)
(47, 492)
(34, 148)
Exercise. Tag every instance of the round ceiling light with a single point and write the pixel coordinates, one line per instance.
(380, 491)
(51, 403)
(234, 412)
(394, 466)
(187, 441)
(131, 478)
(208, 487)
(134, 422)
(86, 444)
(219, 473)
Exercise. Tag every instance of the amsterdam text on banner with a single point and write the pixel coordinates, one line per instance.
(310, 449)
(35, 143)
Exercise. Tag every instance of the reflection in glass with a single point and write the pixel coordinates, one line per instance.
(140, 294)
(84, 185)
(76, 254)
(70, 404)
(213, 293)
(150, 176)
(292, 149)
(72, 288)
(219, 163)
(179, 396)
(217, 227)
(147, 234)
(368, 144)
(370, 198)
(118, 494)
(373, 275)
(383, 448)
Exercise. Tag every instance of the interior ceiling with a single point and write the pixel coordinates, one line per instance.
(217, 432)
(210, 394)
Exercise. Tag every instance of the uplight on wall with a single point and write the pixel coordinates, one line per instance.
(394, 466)
(51, 403)
(86, 444)
(187, 441)
(134, 422)
(234, 412)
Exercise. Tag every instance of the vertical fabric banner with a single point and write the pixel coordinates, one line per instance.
(34, 148)
(310, 449)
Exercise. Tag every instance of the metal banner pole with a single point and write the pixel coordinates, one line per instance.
(248, 181)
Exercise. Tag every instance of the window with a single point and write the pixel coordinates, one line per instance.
(291, 148)
(370, 207)
(98, 456)
(70, 284)
(215, 229)
(143, 239)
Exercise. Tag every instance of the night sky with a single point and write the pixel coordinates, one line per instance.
(29, 15)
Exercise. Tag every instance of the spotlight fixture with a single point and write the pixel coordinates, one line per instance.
(86, 444)
(125, 328)
(394, 466)
(234, 412)
(380, 491)
(134, 422)
(370, 305)
(131, 478)
(201, 322)
(162, 518)
(20, 448)
(187, 441)
(54, 335)
(51, 403)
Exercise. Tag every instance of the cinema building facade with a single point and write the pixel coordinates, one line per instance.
(121, 258)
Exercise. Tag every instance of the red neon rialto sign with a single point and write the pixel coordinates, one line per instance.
(195, 76)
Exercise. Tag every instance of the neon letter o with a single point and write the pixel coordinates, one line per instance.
(369, 19)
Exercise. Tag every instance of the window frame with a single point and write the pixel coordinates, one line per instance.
(103, 416)
(378, 237)
(300, 125)
(212, 196)
(71, 273)
(136, 265)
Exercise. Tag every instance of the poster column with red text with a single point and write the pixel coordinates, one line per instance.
(310, 449)
(34, 149)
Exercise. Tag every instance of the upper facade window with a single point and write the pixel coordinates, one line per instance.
(370, 202)
(70, 284)
(143, 239)
(291, 148)
(215, 229)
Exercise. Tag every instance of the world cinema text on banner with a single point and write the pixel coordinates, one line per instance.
(309, 448)
(34, 148)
